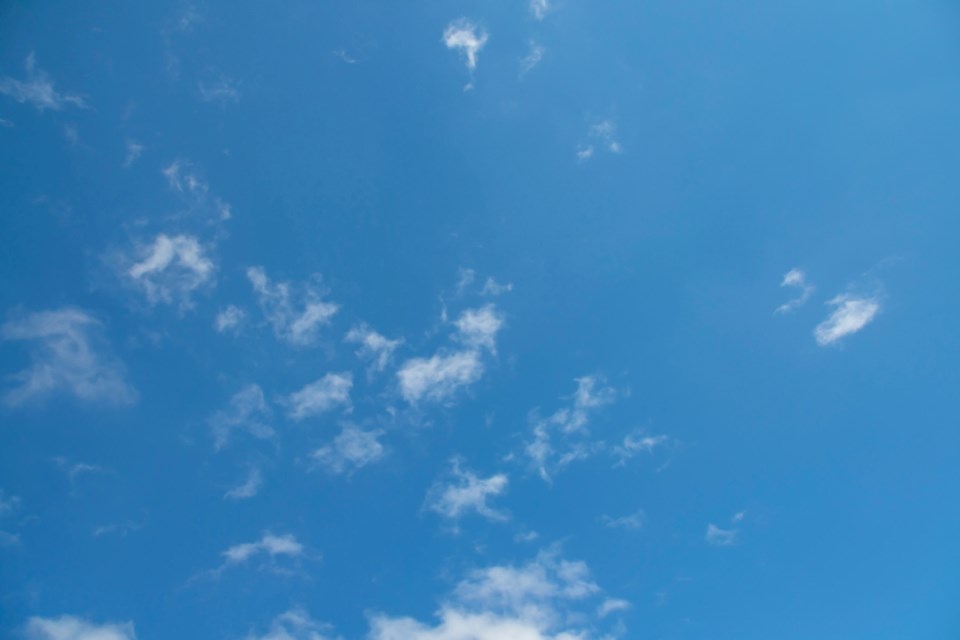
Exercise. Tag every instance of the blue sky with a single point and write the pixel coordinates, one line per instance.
(479, 320)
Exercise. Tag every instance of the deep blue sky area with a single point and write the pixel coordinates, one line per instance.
(513, 320)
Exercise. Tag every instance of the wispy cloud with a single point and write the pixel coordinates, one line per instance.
(247, 411)
(612, 605)
(318, 397)
(8, 504)
(539, 8)
(296, 624)
(568, 425)
(532, 59)
(463, 492)
(221, 90)
(69, 355)
(493, 288)
(296, 313)
(134, 150)
(466, 37)
(636, 443)
(797, 279)
(73, 628)
(437, 378)
(350, 451)
(187, 182)
(374, 348)
(852, 313)
(601, 135)
(478, 328)
(632, 522)
(721, 537)
(38, 90)
(171, 269)
(248, 488)
(229, 319)
(271, 549)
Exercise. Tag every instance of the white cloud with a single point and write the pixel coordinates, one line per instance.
(38, 90)
(852, 313)
(493, 288)
(171, 269)
(795, 278)
(134, 150)
(187, 182)
(533, 58)
(584, 153)
(222, 91)
(439, 377)
(247, 411)
(465, 278)
(466, 37)
(569, 425)
(69, 356)
(8, 504)
(351, 450)
(229, 319)
(612, 605)
(632, 522)
(320, 396)
(72, 628)
(269, 546)
(296, 319)
(295, 624)
(721, 537)
(539, 8)
(536, 601)
(478, 328)
(248, 489)
(636, 443)
(603, 135)
(374, 348)
(466, 493)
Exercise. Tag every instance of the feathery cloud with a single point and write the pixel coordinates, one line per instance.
(636, 443)
(374, 348)
(798, 279)
(247, 411)
(351, 450)
(467, 37)
(248, 488)
(134, 150)
(478, 328)
(464, 492)
(320, 396)
(439, 377)
(171, 269)
(73, 628)
(295, 318)
(532, 59)
(229, 319)
(269, 546)
(853, 312)
(721, 537)
(222, 90)
(38, 90)
(69, 356)
(632, 522)
(295, 624)
(539, 8)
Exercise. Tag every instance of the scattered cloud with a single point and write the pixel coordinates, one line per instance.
(270, 548)
(797, 279)
(134, 150)
(229, 319)
(188, 184)
(248, 488)
(721, 537)
(632, 522)
(72, 628)
(539, 8)
(296, 624)
(38, 90)
(247, 411)
(493, 288)
(439, 377)
(532, 59)
(374, 348)
(8, 504)
(120, 529)
(636, 443)
(568, 424)
(478, 328)
(463, 492)
(602, 135)
(221, 91)
(296, 318)
(540, 600)
(612, 605)
(171, 269)
(465, 278)
(853, 312)
(76, 469)
(327, 393)
(69, 356)
(466, 37)
(351, 450)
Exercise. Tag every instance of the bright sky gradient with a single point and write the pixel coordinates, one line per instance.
(526, 320)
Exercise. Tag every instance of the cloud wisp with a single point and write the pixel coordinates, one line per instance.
(319, 397)
(296, 624)
(351, 450)
(246, 412)
(171, 269)
(852, 312)
(374, 348)
(466, 37)
(463, 493)
(74, 628)
(37, 90)
(297, 314)
(797, 279)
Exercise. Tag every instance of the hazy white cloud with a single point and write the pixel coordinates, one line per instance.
(222, 90)
(532, 59)
(466, 37)
(72, 628)
(134, 150)
(296, 624)
(296, 314)
(721, 537)
(568, 425)
(852, 313)
(69, 356)
(478, 328)
(351, 450)
(541, 600)
(247, 411)
(171, 269)
(318, 397)
(248, 488)
(584, 153)
(374, 348)
(38, 90)
(271, 549)
(632, 522)
(464, 492)
(187, 183)
(493, 288)
(612, 605)
(465, 278)
(636, 443)
(539, 8)
(229, 319)
(439, 377)
(76, 469)
(119, 529)
(8, 504)
(797, 279)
